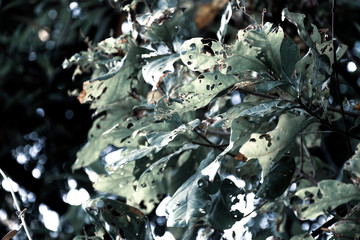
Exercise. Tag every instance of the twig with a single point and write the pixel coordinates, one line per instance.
(306, 176)
(21, 213)
(219, 147)
(257, 208)
(350, 152)
(148, 6)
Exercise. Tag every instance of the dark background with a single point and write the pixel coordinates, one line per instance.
(40, 122)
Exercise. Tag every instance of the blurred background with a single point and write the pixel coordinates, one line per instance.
(42, 127)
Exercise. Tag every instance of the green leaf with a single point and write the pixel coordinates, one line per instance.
(314, 201)
(256, 50)
(192, 200)
(154, 173)
(154, 71)
(161, 30)
(265, 108)
(278, 178)
(112, 87)
(197, 93)
(200, 54)
(353, 164)
(119, 219)
(122, 182)
(156, 140)
(270, 146)
(346, 230)
(96, 143)
(220, 214)
(87, 237)
(305, 236)
(290, 55)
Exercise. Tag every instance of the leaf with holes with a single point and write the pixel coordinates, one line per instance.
(193, 199)
(197, 93)
(200, 54)
(120, 220)
(101, 93)
(270, 146)
(352, 165)
(265, 108)
(122, 182)
(164, 25)
(96, 143)
(314, 201)
(156, 141)
(256, 50)
(154, 173)
(220, 214)
(154, 71)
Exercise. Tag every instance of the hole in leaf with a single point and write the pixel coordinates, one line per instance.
(252, 140)
(307, 66)
(228, 69)
(208, 87)
(201, 76)
(142, 205)
(319, 194)
(216, 77)
(304, 209)
(189, 63)
(190, 56)
(130, 125)
(192, 47)
(183, 52)
(116, 214)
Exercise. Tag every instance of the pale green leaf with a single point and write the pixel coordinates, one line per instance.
(329, 194)
(155, 70)
(112, 87)
(196, 94)
(96, 143)
(256, 50)
(157, 140)
(123, 183)
(270, 146)
(345, 230)
(353, 164)
(200, 54)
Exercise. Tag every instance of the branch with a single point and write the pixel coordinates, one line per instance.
(21, 214)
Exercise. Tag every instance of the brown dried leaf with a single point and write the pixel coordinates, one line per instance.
(207, 12)
(240, 157)
(10, 234)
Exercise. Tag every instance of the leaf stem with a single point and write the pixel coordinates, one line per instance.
(21, 215)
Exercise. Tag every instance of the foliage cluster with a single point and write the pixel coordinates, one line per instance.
(215, 124)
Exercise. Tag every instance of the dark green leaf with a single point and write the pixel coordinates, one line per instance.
(278, 179)
(220, 214)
